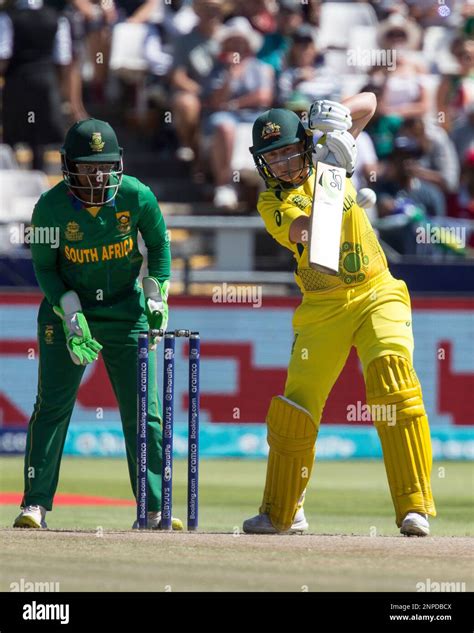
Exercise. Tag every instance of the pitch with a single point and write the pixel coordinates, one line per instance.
(353, 545)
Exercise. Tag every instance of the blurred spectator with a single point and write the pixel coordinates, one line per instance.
(400, 183)
(462, 133)
(461, 203)
(258, 12)
(405, 202)
(456, 92)
(179, 18)
(427, 13)
(438, 162)
(303, 74)
(155, 53)
(382, 128)
(403, 92)
(99, 19)
(34, 39)
(467, 14)
(240, 87)
(194, 56)
(276, 45)
(385, 8)
(135, 11)
(312, 12)
(72, 77)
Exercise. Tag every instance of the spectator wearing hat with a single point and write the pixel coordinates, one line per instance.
(304, 75)
(193, 60)
(404, 92)
(239, 88)
(276, 45)
(456, 91)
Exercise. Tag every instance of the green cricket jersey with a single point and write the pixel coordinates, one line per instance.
(98, 254)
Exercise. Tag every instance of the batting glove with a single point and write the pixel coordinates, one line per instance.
(337, 148)
(328, 116)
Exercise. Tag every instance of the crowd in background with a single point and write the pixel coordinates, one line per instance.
(214, 65)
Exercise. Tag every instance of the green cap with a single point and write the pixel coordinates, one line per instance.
(276, 128)
(91, 141)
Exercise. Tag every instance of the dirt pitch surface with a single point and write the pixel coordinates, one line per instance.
(156, 561)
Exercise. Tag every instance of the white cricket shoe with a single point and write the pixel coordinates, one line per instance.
(154, 522)
(225, 197)
(31, 517)
(261, 524)
(415, 524)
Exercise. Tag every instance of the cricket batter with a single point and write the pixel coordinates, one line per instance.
(93, 303)
(363, 306)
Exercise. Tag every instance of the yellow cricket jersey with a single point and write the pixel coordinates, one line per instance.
(361, 256)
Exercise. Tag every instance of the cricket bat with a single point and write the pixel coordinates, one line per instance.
(326, 218)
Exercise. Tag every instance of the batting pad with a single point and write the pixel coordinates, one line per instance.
(291, 436)
(391, 381)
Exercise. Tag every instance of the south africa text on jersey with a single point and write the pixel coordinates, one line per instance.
(117, 250)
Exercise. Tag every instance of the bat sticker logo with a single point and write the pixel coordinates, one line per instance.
(331, 182)
(336, 180)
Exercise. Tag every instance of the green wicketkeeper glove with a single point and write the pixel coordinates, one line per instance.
(156, 305)
(81, 346)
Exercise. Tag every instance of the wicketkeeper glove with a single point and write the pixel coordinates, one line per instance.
(337, 148)
(327, 116)
(156, 306)
(82, 348)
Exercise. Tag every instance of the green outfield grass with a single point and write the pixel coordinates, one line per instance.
(349, 497)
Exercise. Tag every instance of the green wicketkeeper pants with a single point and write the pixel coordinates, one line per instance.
(116, 328)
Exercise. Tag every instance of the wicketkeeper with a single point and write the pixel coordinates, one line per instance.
(363, 306)
(94, 303)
